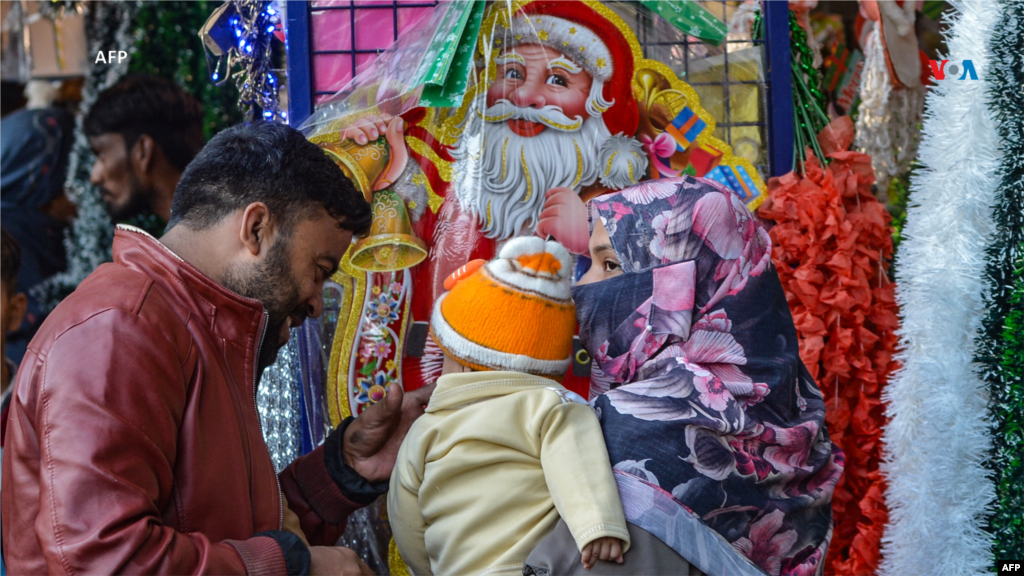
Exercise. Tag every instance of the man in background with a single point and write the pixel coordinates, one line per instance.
(144, 131)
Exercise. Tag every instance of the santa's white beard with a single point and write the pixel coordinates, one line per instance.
(501, 176)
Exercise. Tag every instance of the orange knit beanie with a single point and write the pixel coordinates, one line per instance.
(512, 313)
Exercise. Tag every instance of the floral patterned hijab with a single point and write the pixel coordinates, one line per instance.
(714, 426)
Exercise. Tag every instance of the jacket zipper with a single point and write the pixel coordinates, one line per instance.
(255, 383)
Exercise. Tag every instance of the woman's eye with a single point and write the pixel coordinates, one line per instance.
(558, 80)
(513, 74)
(610, 265)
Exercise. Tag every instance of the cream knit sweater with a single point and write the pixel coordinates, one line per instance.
(488, 470)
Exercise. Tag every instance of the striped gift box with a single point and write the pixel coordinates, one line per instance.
(736, 179)
(685, 128)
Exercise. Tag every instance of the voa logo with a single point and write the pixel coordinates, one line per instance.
(940, 70)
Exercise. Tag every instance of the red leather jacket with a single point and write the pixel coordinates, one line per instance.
(134, 444)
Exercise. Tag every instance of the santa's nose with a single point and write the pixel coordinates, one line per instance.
(528, 97)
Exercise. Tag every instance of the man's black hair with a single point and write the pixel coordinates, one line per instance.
(10, 261)
(158, 107)
(269, 163)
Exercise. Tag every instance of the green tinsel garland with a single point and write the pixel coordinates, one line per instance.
(1008, 411)
(899, 194)
(809, 107)
(1000, 341)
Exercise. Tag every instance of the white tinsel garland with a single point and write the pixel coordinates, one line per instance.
(938, 435)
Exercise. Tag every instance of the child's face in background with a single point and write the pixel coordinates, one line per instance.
(12, 312)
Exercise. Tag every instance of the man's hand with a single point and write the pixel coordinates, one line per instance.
(607, 548)
(372, 440)
(336, 560)
(564, 217)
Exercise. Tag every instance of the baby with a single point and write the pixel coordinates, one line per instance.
(504, 450)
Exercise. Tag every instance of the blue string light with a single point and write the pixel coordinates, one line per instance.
(253, 23)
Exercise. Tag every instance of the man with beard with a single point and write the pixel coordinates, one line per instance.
(134, 444)
(143, 131)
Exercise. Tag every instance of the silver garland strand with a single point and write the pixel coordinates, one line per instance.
(277, 400)
(368, 534)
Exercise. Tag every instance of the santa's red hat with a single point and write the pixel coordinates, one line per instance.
(591, 41)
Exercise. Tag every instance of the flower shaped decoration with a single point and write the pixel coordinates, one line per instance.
(373, 390)
(383, 308)
(832, 246)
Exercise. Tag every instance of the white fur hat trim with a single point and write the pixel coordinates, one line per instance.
(507, 269)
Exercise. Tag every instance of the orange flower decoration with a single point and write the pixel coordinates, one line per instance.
(832, 243)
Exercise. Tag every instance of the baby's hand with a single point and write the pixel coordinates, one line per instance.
(606, 548)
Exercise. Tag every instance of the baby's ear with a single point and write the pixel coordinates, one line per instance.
(464, 272)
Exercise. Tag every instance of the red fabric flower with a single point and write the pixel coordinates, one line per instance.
(831, 245)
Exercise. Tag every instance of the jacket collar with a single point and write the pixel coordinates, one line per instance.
(454, 390)
(230, 315)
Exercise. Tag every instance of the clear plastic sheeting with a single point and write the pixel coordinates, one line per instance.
(393, 82)
(730, 84)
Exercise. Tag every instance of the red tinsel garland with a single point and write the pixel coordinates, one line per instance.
(831, 245)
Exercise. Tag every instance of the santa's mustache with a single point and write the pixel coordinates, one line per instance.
(550, 115)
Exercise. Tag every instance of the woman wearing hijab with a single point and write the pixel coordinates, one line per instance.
(34, 147)
(715, 429)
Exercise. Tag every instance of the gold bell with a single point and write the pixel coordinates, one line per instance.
(362, 163)
(391, 245)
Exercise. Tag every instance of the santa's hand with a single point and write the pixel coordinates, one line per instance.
(367, 129)
(564, 218)
(399, 155)
(371, 441)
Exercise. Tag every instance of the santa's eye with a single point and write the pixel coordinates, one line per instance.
(557, 79)
(513, 74)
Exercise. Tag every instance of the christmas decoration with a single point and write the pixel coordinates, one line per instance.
(248, 50)
(166, 46)
(938, 436)
(277, 401)
(890, 108)
(467, 184)
(810, 116)
(831, 247)
(1007, 522)
(999, 342)
(808, 99)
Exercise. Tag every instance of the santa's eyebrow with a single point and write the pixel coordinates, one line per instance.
(510, 57)
(567, 65)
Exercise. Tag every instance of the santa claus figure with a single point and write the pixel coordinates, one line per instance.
(558, 113)
(561, 107)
